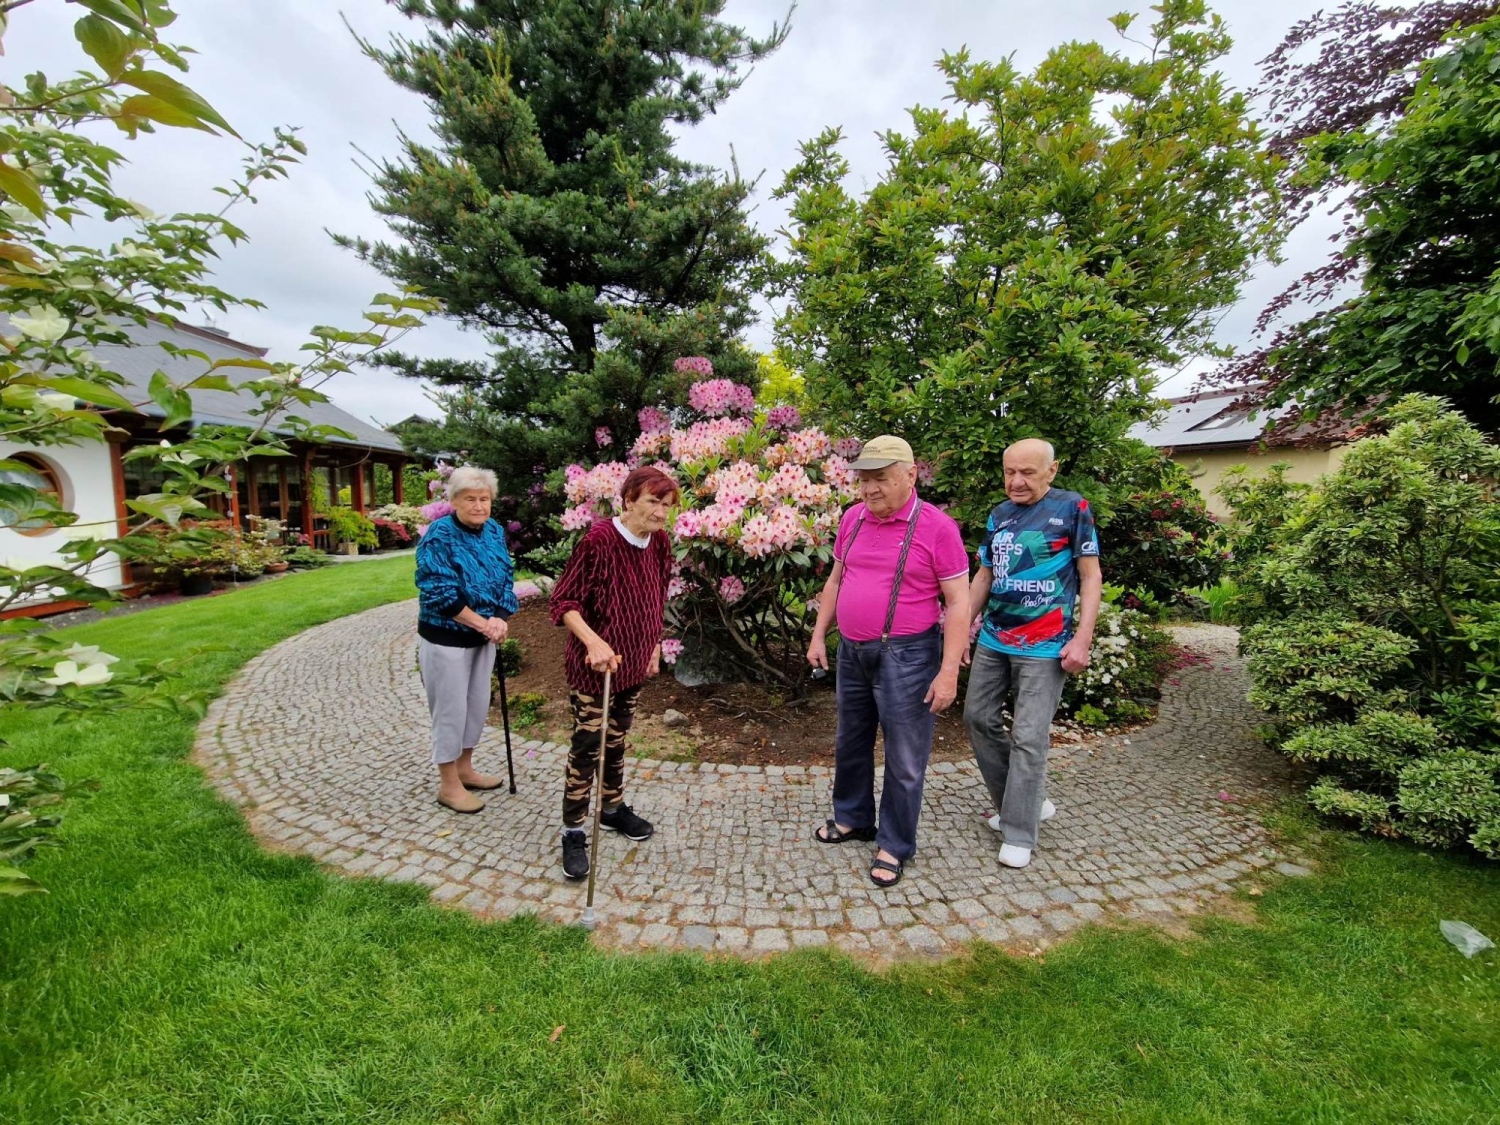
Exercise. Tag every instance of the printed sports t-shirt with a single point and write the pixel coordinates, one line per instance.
(1032, 551)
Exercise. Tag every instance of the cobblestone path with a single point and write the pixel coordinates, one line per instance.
(323, 741)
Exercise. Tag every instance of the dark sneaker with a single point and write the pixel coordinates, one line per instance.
(575, 855)
(625, 822)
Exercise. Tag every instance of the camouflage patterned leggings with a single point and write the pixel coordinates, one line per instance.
(588, 717)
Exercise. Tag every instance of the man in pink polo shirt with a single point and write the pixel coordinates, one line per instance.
(895, 557)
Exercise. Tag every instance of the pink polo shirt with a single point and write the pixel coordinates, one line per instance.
(937, 553)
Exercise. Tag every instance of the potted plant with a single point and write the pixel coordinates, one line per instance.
(186, 556)
(268, 540)
(351, 530)
(195, 581)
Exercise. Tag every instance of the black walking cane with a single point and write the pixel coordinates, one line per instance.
(510, 762)
(588, 910)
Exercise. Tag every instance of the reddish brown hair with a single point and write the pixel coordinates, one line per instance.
(647, 479)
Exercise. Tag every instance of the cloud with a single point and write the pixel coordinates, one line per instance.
(857, 64)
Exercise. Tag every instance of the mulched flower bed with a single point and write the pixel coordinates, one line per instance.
(740, 724)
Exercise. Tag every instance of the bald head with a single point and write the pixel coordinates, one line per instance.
(1030, 465)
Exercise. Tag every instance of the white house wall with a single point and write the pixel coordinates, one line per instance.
(88, 484)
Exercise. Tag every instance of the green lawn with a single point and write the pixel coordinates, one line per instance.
(179, 974)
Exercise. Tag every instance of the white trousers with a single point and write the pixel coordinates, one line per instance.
(458, 695)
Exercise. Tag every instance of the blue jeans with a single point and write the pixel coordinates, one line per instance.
(1013, 762)
(881, 683)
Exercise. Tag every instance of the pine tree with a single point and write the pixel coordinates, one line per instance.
(553, 215)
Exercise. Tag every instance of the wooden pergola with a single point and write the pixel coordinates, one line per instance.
(280, 487)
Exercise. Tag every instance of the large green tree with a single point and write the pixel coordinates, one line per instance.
(1027, 261)
(553, 215)
(1423, 241)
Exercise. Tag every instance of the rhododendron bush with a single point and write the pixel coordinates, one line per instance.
(753, 536)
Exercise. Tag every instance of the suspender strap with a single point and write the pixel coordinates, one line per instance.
(911, 530)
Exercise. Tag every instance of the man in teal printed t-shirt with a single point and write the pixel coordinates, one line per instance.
(1038, 564)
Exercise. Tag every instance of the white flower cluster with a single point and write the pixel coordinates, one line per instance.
(1112, 658)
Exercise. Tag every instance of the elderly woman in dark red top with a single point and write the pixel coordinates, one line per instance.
(611, 597)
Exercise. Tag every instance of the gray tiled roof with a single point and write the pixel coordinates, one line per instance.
(1203, 420)
(138, 364)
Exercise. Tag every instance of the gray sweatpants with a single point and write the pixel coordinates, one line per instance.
(458, 695)
(1013, 762)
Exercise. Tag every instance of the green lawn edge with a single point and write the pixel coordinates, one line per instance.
(178, 972)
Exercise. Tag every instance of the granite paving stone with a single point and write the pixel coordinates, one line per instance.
(1139, 831)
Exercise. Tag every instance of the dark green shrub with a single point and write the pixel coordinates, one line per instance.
(511, 657)
(307, 558)
(1379, 654)
(1158, 538)
(1324, 668)
(1261, 505)
(1158, 545)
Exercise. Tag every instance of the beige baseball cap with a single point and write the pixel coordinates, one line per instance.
(882, 451)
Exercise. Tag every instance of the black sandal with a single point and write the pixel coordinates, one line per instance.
(878, 864)
(830, 834)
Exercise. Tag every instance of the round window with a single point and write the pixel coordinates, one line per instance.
(29, 471)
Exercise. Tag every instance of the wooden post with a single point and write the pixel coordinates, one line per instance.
(357, 488)
(307, 495)
(252, 487)
(398, 470)
(234, 495)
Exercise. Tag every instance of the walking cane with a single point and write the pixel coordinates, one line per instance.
(588, 910)
(510, 762)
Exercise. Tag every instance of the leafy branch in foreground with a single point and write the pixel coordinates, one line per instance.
(64, 303)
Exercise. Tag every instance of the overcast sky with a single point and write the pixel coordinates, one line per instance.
(858, 64)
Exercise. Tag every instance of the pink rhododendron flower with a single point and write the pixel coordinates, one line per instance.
(839, 475)
(787, 528)
(756, 538)
(603, 437)
(807, 446)
(578, 517)
(694, 365)
(676, 587)
(716, 397)
(703, 440)
(651, 443)
(689, 525)
(731, 589)
(784, 418)
(436, 510)
(601, 483)
(848, 448)
(653, 421)
(670, 650)
(926, 474)
(784, 483)
(718, 519)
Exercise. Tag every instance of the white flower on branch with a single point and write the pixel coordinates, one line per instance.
(41, 322)
(89, 656)
(68, 672)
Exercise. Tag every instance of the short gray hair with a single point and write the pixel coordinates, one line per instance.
(471, 478)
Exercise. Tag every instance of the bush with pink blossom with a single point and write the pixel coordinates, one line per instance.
(753, 535)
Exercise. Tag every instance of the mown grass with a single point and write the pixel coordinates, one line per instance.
(178, 973)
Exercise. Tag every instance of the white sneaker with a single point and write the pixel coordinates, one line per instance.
(1014, 857)
(1049, 810)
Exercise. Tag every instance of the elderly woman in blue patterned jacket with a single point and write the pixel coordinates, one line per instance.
(466, 585)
